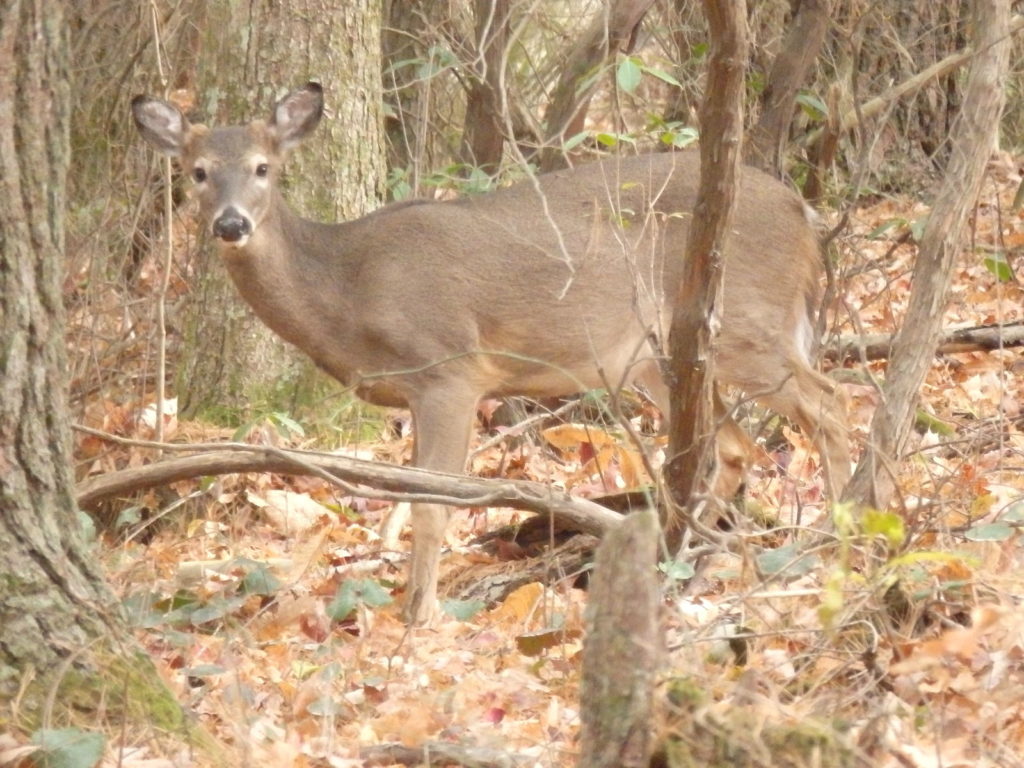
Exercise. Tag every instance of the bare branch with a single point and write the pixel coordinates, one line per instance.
(367, 479)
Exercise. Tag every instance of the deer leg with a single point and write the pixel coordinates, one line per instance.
(818, 406)
(442, 423)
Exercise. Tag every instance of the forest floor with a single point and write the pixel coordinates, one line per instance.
(272, 607)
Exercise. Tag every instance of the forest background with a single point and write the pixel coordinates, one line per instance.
(265, 600)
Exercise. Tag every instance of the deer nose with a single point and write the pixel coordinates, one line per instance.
(231, 226)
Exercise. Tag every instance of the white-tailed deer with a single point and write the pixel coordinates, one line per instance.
(556, 285)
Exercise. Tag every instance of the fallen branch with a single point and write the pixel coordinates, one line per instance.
(442, 753)
(981, 338)
(367, 479)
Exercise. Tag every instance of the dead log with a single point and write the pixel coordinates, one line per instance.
(979, 338)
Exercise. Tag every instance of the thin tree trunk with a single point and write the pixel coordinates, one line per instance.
(971, 145)
(612, 30)
(622, 653)
(767, 140)
(691, 432)
(484, 135)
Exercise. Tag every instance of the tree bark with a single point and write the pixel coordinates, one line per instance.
(484, 134)
(231, 363)
(63, 641)
(971, 145)
(611, 30)
(695, 318)
(767, 140)
(622, 653)
(623, 649)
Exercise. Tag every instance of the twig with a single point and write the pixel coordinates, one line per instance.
(165, 275)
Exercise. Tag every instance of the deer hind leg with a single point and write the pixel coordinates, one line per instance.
(442, 424)
(817, 405)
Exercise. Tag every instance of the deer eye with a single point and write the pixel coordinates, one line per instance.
(262, 169)
(199, 174)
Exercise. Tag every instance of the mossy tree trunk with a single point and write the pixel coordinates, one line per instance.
(61, 630)
(231, 361)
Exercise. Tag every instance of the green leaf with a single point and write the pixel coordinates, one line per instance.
(612, 139)
(680, 138)
(68, 748)
(288, 424)
(677, 570)
(355, 592)
(243, 431)
(139, 610)
(917, 228)
(629, 73)
(87, 526)
(931, 423)
(886, 524)
(990, 532)
(999, 267)
(1015, 513)
(215, 610)
(930, 556)
(462, 610)
(785, 561)
(662, 75)
(260, 581)
(884, 227)
(812, 106)
(574, 141)
(756, 82)
(128, 516)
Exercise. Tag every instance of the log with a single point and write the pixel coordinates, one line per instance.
(979, 338)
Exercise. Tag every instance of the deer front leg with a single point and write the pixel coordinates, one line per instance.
(429, 522)
(442, 424)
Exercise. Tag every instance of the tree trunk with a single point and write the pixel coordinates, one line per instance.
(231, 362)
(691, 377)
(63, 640)
(971, 145)
(484, 134)
(623, 650)
(612, 29)
(767, 140)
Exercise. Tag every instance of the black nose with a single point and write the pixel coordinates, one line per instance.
(231, 226)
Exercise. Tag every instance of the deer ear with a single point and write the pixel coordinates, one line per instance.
(161, 124)
(297, 114)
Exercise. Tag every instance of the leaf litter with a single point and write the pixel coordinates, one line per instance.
(273, 609)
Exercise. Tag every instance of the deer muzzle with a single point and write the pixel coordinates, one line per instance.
(232, 226)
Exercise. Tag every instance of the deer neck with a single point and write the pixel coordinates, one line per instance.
(283, 269)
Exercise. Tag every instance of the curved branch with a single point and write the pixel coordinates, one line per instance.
(368, 479)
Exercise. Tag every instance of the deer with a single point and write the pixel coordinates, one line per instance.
(559, 284)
